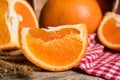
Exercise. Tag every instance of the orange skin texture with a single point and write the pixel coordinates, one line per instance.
(62, 12)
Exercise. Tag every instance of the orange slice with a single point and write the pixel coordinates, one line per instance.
(109, 31)
(56, 48)
(25, 13)
(14, 14)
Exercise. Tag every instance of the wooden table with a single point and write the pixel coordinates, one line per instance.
(44, 75)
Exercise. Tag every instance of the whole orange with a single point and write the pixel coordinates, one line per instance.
(62, 12)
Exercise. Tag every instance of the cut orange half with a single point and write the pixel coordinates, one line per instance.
(109, 31)
(14, 14)
(25, 13)
(56, 48)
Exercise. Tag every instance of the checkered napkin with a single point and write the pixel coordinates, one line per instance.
(99, 61)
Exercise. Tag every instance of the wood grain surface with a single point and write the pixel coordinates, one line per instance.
(44, 75)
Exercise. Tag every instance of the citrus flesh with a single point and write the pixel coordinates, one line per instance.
(109, 31)
(54, 49)
(12, 17)
(4, 32)
(111, 28)
(26, 14)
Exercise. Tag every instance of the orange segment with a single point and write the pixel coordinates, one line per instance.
(109, 31)
(110, 28)
(25, 12)
(50, 35)
(4, 32)
(14, 14)
(55, 49)
(49, 44)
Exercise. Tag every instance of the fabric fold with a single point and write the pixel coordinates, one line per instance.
(100, 62)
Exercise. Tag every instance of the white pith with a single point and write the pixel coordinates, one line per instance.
(12, 21)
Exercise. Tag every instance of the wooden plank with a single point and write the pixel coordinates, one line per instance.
(44, 75)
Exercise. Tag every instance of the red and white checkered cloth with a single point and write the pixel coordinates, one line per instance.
(99, 61)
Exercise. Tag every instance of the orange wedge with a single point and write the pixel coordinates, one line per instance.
(14, 14)
(109, 31)
(25, 13)
(56, 48)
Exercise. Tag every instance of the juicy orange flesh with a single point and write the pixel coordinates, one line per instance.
(4, 32)
(24, 12)
(111, 31)
(57, 48)
(48, 36)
